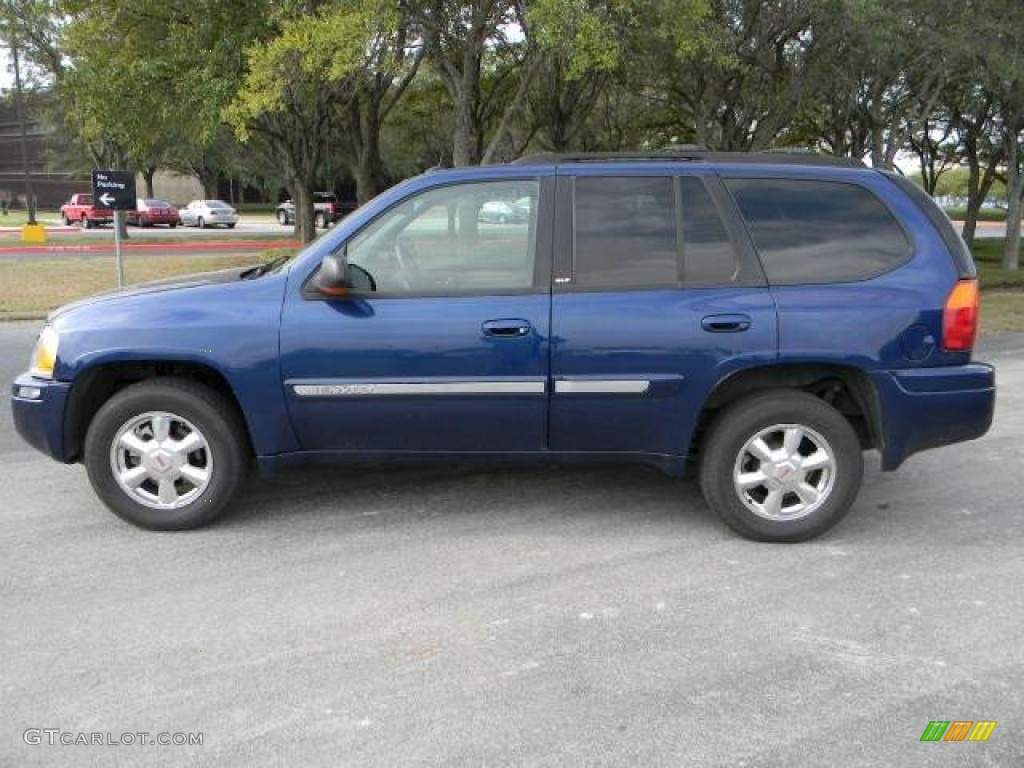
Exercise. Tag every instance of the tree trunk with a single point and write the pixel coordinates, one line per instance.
(1015, 198)
(302, 194)
(369, 166)
(979, 183)
(466, 139)
(973, 201)
(147, 179)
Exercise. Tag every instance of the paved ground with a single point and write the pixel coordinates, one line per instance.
(537, 617)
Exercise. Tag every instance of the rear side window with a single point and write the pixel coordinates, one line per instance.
(810, 231)
(647, 232)
(625, 231)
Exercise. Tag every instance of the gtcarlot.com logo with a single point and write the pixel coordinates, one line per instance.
(55, 736)
(958, 730)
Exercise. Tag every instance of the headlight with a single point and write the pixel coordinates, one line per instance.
(44, 356)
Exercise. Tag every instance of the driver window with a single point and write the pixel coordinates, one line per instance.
(464, 238)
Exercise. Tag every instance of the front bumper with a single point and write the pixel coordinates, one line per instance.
(924, 408)
(38, 407)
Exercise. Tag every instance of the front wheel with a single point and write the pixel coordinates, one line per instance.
(200, 223)
(166, 454)
(781, 466)
(320, 220)
(282, 218)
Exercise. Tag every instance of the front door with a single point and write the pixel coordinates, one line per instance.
(449, 349)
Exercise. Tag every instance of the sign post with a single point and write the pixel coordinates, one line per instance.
(115, 190)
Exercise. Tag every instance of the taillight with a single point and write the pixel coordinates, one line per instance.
(960, 317)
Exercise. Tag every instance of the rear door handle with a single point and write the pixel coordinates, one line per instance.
(507, 329)
(725, 323)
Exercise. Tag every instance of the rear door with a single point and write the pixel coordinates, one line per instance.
(657, 296)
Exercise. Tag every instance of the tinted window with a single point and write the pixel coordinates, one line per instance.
(708, 255)
(818, 231)
(466, 238)
(625, 232)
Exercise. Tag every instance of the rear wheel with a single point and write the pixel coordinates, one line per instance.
(781, 466)
(200, 223)
(86, 224)
(166, 454)
(320, 220)
(282, 218)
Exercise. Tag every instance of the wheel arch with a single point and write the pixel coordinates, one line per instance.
(847, 388)
(95, 385)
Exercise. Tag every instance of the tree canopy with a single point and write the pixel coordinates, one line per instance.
(315, 94)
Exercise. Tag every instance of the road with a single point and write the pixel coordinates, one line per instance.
(538, 617)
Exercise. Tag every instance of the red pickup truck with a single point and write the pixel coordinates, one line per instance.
(80, 209)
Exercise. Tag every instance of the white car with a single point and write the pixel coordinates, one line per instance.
(208, 213)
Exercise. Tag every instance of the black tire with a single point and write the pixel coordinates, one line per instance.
(320, 220)
(173, 224)
(231, 226)
(200, 223)
(67, 220)
(740, 423)
(86, 224)
(282, 218)
(211, 414)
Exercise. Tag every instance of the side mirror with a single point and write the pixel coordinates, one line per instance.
(339, 278)
(333, 277)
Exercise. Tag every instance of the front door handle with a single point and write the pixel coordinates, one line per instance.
(725, 323)
(506, 329)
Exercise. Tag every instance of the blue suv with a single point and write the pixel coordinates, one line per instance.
(766, 318)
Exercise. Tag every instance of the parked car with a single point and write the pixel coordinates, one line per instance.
(497, 212)
(327, 210)
(150, 212)
(762, 318)
(208, 213)
(81, 210)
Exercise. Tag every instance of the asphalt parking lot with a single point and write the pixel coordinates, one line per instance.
(570, 616)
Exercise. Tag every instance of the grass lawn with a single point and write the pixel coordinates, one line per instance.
(988, 255)
(30, 289)
(1002, 311)
(19, 218)
(985, 214)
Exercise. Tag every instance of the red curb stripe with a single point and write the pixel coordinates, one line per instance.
(192, 245)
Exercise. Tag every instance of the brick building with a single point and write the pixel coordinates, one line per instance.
(50, 185)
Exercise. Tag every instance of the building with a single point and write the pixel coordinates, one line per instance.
(51, 186)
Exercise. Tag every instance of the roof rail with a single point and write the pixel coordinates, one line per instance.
(786, 156)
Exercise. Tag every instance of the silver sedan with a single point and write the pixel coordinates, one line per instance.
(208, 213)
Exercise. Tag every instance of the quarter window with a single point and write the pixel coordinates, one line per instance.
(708, 254)
(466, 238)
(810, 231)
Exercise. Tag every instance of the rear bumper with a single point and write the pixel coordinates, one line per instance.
(38, 409)
(924, 408)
